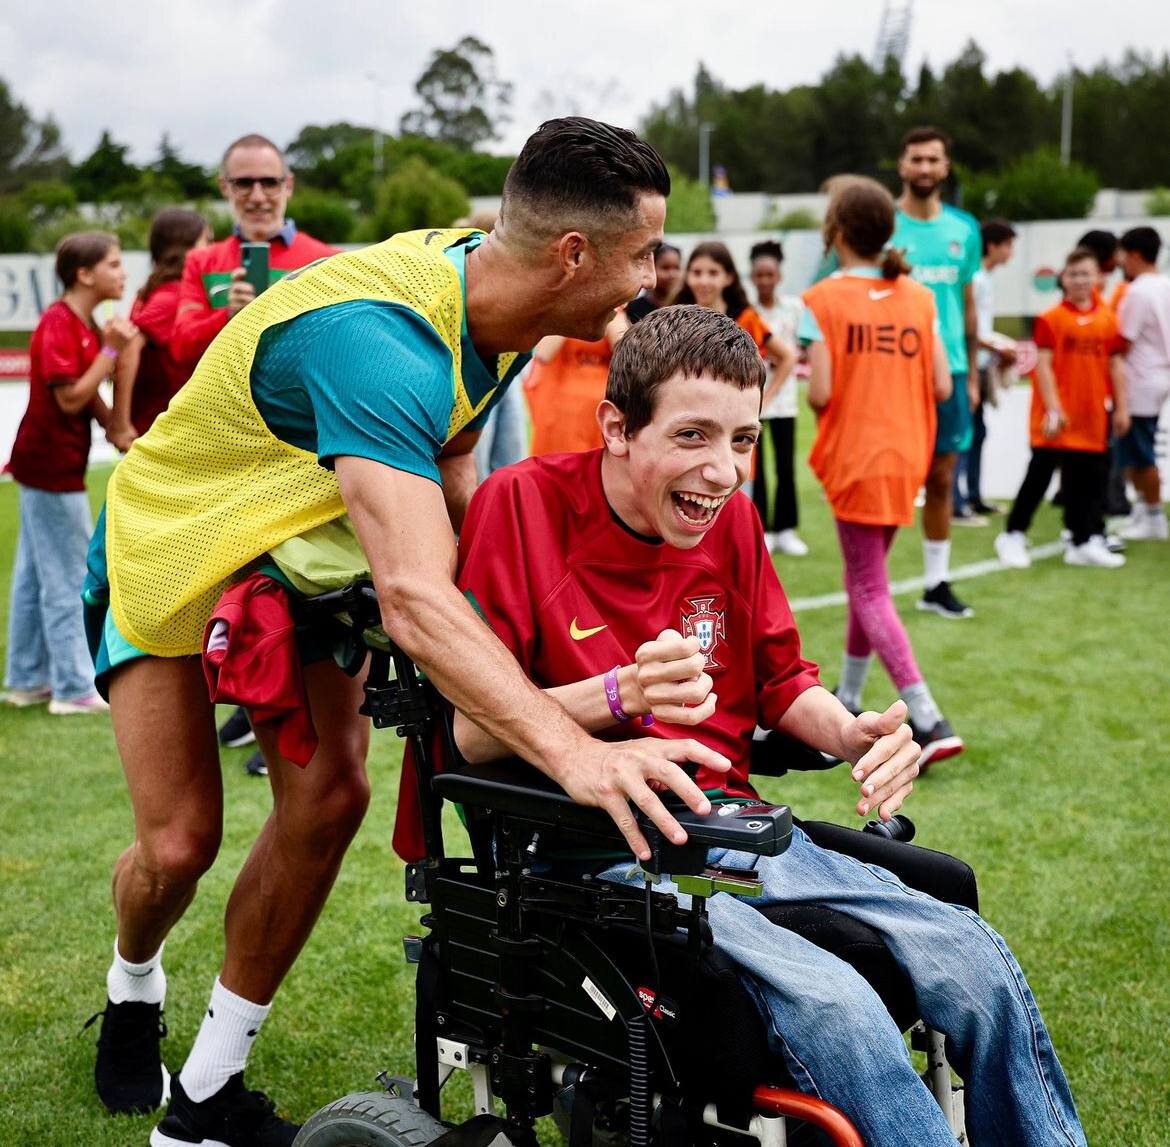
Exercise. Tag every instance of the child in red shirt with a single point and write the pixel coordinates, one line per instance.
(148, 373)
(47, 655)
(1078, 373)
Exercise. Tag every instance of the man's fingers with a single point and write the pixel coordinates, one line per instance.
(619, 810)
(687, 749)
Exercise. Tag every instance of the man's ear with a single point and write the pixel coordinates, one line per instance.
(613, 428)
(571, 252)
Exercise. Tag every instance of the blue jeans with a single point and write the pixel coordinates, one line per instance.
(46, 640)
(835, 1035)
(503, 439)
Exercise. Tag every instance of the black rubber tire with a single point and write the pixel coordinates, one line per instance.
(369, 1119)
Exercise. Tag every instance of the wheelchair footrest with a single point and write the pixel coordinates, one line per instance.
(737, 881)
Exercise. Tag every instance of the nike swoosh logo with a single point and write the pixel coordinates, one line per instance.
(875, 295)
(1082, 322)
(578, 634)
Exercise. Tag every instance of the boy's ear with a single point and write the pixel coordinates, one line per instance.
(613, 428)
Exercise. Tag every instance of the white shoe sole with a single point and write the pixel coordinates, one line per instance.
(940, 750)
(247, 738)
(930, 607)
(161, 1139)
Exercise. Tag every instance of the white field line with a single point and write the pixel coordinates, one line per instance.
(914, 584)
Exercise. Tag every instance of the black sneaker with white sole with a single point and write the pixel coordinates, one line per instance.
(129, 1071)
(941, 600)
(236, 731)
(936, 744)
(256, 765)
(232, 1117)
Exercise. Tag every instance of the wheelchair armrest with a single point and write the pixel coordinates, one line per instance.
(777, 753)
(518, 789)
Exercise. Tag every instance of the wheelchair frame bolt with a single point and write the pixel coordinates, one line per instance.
(502, 898)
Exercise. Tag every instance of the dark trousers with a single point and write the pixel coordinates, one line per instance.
(1082, 482)
(782, 432)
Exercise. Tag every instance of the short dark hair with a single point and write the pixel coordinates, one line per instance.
(252, 139)
(665, 248)
(1143, 240)
(996, 231)
(862, 214)
(81, 251)
(1102, 245)
(925, 133)
(1079, 254)
(691, 341)
(576, 174)
(734, 296)
(768, 249)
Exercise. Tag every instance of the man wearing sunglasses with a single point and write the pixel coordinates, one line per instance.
(257, 184)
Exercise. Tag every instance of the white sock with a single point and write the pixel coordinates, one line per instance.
(144, 983)
(854, 671)
(936, 560)
(924, 713)
(222, 1045)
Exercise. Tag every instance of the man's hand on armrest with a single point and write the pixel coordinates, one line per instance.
(402, 523)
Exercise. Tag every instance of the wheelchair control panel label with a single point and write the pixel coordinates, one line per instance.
(598, 997)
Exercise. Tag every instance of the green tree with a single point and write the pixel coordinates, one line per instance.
(689, 207)
(464, 103)
(1037, 186)
(106, 175)
(16, 228)
(323, 215)
(29, 149)
(170, 170)
(416, 196)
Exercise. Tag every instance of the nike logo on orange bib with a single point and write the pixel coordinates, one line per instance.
(578, 634)
(876, 295)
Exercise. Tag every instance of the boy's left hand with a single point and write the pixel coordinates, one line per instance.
(886, 756)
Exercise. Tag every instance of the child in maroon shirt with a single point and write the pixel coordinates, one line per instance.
(47, 655)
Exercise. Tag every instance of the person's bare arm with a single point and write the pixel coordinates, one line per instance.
(1054, 417)
(120, 431)
(943, 382)
(458, 474)
(548, 348)
(782, 355)
(1121, 418)
(77, 394)
(402, 523)
(970, 328)
(618, 325)
(820, 375)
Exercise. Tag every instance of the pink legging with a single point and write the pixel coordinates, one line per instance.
(874, 625)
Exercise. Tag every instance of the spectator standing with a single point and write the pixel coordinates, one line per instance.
(70, 358)
(877, 371)
(148, 375)
(996, 351)
(1144, 320)
(943, 248)
(667, 281)
(781, 313)
(1077, 373)
(257, 184)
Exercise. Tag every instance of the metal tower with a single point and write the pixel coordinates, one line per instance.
(893, 32)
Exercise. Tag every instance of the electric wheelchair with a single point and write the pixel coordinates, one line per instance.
(605, 1005)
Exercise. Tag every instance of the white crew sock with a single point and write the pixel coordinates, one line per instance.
(225, 1038)
(924, 713)
(854, 671)
(128, 983)
(936, 561)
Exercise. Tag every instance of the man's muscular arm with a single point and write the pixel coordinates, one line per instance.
(402, 523)
(458, 475)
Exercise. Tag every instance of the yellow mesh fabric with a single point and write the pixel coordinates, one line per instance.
(210, 488)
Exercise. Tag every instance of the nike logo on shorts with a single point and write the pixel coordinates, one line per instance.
(578, 634)
(876, 295)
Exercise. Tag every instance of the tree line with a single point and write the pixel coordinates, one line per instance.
(355, 184)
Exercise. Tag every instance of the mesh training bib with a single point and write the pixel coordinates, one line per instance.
(210, 488)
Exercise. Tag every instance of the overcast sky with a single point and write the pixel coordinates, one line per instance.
(209, 70)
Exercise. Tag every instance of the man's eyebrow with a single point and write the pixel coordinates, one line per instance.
(702, 423)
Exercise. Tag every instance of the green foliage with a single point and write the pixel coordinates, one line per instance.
(106, 175)
(1034, 186)
(324, 216)
(464, 103)
(689, 207)
(416, 196)
(799, 219)
(170, 170)
(15, 226)
(46, 236)
(46, 199)
(1158, 201)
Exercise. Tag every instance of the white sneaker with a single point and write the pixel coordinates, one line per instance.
(79, 706)
(789, 542)
(1094, 552)
(1011, 547)
(1146, 527)
(22, 698)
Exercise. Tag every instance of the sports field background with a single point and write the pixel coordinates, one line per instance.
(1059, 685)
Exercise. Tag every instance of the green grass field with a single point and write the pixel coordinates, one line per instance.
(1059, 685)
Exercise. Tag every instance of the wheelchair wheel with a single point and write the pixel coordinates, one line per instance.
(369, 1119)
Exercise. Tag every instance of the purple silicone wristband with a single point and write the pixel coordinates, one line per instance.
(109, 352)
(613, 698)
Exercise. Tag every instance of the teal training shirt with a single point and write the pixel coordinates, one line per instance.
(944, 253)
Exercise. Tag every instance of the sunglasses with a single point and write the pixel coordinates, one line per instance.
(245, 183)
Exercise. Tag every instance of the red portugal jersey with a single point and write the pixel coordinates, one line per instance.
(572, 592)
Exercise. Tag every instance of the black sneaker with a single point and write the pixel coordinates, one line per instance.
(232, 1117)
(942, 600)
(256, 765)
(129, 1071)
(236, 731)
(936, 744)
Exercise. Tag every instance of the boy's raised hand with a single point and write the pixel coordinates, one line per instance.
(672, 683)
(887, 759)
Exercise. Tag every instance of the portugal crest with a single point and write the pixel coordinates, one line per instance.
(707, 624)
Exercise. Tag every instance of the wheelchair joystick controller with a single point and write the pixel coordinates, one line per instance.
(898, 827)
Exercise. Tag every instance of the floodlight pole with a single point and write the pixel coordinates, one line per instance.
(1066, 114)
(705, 130)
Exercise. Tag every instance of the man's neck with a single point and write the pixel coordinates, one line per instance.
(923, 210)
(506, 305)
(247, 235)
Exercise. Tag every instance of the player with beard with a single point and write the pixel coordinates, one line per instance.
(944, 249)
